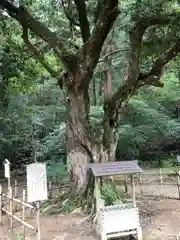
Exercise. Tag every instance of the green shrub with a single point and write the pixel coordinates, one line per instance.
(57, 171)
(111, 195)
(19, 238)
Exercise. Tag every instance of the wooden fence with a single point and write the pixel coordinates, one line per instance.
(170, 180)
(53, 188)
(8, 210)
(11, 199)
(166, 182)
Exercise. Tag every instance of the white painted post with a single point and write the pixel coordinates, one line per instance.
(160, 174)
(140, 183)
(178, 183)
(23, 212)
(15, 188)
(38, 221)
(1, 205)
(97, 193)
(10, 208)
(126, 183)
(133, 191)
(7, 173)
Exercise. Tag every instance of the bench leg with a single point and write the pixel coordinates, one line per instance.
(139, 233)
(103, 236)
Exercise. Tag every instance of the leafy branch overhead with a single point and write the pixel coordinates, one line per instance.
(83, 63)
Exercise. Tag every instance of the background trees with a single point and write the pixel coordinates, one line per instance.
(59, 43)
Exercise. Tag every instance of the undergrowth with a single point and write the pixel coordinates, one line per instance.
(19, 238)
(65, 203)
(56, 171)
(111, 195)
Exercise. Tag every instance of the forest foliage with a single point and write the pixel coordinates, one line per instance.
(33, 108)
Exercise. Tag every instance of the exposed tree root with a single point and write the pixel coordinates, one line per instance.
(71, 200)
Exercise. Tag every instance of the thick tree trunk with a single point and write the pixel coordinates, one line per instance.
(81, 147)
(80, 155)
(79, 143)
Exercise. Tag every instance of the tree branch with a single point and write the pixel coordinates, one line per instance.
(112, 53)
(133, 78)
(83, 19)
(93, 46)
(27, 20)
(135, 38)
(99, 6)
(152, 78)
(69, 16)
(38, 55)
(43, 49)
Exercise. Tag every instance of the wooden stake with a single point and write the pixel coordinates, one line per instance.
(15, 188)
(9, 185)
(19, 220)
(50, 189)
(97, 193)
(23, 212)
(160, 174)
(140, 178)
(19, 201)
(1, 204)
(10, 208)
(178, 183)
(133, 191)
(15, 195)
(140, 183)
(38, 221)
(125, 183)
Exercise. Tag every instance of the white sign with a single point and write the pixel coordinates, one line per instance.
(36, 182)
(116, 223)
(6, 168)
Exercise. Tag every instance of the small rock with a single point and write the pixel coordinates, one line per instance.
(77, 211)
(160, 228)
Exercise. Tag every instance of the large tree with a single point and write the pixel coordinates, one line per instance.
(95, 23)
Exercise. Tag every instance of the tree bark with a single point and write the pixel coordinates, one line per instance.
(83, 146)
(79, 143)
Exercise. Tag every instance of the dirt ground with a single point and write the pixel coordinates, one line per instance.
(160, 218)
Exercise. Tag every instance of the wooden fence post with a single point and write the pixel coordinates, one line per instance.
(140, 183)
(140, 178)
(38, 221)
(15, 188)
(50, 189)
(133, 190)
(178, 183)
(160, 174)
(126, 183)
(10, 208)
(23, 212)
(1, 205)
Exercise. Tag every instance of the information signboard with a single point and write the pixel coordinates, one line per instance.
(36, 182)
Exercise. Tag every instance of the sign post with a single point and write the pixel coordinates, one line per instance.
(37, 187)
(7, 173)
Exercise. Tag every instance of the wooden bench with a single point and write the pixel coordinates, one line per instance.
(116, 221)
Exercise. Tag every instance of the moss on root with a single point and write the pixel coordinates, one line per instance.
(70, 200)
